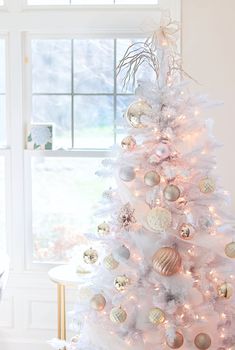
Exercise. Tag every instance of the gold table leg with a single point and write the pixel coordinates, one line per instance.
(61, 312)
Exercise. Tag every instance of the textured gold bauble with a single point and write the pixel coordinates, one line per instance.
(177, 342)
(207, 185)
(202, 341)
(121, 282)
(230, 250)
(128, 143)
(152, 178)
(110, 263)
(171, 193)
(127, 173)
(186, 231)
(159, 219)
(118, 315)
(103, 228)
(90, 256)
(156, 316)
(225, 290)
(167, 261)
(98, 302)
(136, 111)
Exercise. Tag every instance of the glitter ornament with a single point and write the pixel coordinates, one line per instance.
(103, 228)
(159, 219)
(121, 253)
(207, 185)
(162, 151)
(156, 316)
(230, 250)
(128, 143)
(171, 193)
(177, 342)
(202, 341)
(167, 261)
(225, 290)
(136, 111)
(98, 302)
(126, 216)
(153, 160)
(127, 173)
(121, 282)
(152, 178)
(186, 231)
(118, 315)
(90, 256)
(110, 263)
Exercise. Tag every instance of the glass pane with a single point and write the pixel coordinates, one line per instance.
(48, 2)
(51, 66)
(2, 120)
(2, 204)
(93, 121)
(1, 2)
(93, 66)
(2, 66)
(64, 192)
(122, 104)
(55, 110)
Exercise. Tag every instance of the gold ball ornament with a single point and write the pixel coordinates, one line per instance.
(118, 315)
(90, 256)
(225, 290)
(202, 341)
(159, 219)
(171, 193)
(152, 178)
(103, 228)
(156, 316)
(98, 302)
(186, 231)
(207, 185)
(167, 261)
(121, 282)
(177, 342)
(128, 143)
(110, 263)
(136, 111)
(230, 250)
(127, 173)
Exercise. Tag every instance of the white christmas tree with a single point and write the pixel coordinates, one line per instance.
(161, 268)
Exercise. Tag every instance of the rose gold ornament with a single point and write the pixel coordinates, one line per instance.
(159, 219)
(225, 290)
(167, 261)
(177, 342)
(186, 231)
(90, 256)
(118, 315)
(98, 302)
(171, 193)
(128, 143)
(110, 263)
(156, 316)
(202, 341)
(121, 282)
(207, 185)
(136, 111)
(230, 250)
(152, 178)
(103, 228)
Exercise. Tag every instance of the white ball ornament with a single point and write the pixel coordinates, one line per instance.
(128, 143)
(171, 193)
(118, 315)
(152, 178)
(110, 263)
(127, 173)
(136, 111)
(156, 316)
(122, 253)
(159, 219)
(98, 302)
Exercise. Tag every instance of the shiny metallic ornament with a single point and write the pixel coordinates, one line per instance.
(186, 231)
(75, 339)
(153, 160)
(207, 185)
(162, 151)
(225, 290)
(128, 143)
(171, 193)
(110, 263)
(136, 111)
(202, 341)
(98, 302)
(177, 342)
(121, 283)
(127, 173)
(126, 216)
(159, 219)
(121, 253)
(103, 228)
(230, 250)
(118, 315)
(152, 178)
(156, 316)
(167, 261)
(90, 256)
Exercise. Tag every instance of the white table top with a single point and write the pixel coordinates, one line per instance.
(67, 275)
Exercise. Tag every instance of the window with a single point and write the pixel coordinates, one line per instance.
(92, 2)
(1, 3)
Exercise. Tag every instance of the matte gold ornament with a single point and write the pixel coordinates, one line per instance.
(167, 261)
(118, 315)
(230, 250)
(177, 342)
(152, 178)
(128, 143)
(127, 173)
(90, 256)
(103, 228)
(110, 263)
(159, 219)
(156, 316)
(186, 231)
(225, 290)
(202, 341)
(136, 111)
(98, 302)
(207, 185)
(121, 282)
(171, 193)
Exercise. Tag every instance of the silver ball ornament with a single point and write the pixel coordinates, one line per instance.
(186, 231)
(127, 173)
(98, 302)
(152, 178)
(171, 193)
(122, 253)
(136, 111)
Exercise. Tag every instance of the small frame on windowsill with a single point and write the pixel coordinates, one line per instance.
(40, 137)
